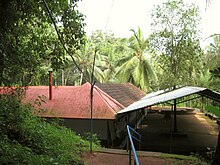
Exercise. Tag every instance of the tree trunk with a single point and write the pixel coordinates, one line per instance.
(81, 77)
(216, 160)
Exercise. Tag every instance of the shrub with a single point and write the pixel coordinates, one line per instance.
(27, 139)
(213, 109)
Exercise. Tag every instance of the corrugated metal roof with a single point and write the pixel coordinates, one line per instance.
(74, 102)
(124, 93)
(157, 98)
(153, 94)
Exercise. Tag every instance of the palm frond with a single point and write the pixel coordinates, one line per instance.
(98, 74)
(148, 69)
(137, 73)
(124, 60)
(124, 72)
(144, 82)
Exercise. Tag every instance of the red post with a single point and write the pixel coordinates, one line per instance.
(50, 85)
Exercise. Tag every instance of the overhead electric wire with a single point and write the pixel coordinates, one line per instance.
(109, 14)
(60, 38)
(92, 75)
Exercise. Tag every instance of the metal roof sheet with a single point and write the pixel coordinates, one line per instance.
(157, 98)
(153, 94)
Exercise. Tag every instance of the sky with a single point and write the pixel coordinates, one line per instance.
(119, 16)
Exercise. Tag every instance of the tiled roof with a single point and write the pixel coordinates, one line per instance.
(74, 102)
(124, 93)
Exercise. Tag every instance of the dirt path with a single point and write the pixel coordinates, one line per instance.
(195, 133)
(99, 158)
(108, 156)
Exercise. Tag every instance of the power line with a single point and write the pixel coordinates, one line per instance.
(109, 14)
(60, 38)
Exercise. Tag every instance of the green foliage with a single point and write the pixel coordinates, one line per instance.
(175, 42)
(95, 140)
(203, 78)
(214, 84)
(211, 62)
(108, 50)
(212, 58)
(213, 109)
(135, 66)
(165, 155)
(26, 139)
(28, 40)
(183, 159)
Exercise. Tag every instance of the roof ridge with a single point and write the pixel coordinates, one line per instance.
(100, 91)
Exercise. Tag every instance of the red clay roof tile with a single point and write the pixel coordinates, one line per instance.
(74, 102)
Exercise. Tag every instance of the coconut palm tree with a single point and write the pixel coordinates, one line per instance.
(85, 57)
(203, 78)
(109, 51)
(135, 66)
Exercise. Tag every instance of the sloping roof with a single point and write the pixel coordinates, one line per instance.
(124, 93)
(74, 102)
(161, 97)
(153, 94)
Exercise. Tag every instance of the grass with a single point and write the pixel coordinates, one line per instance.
(184, 160)
(176, 156)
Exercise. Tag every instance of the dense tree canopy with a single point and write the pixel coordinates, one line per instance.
(29, 47)
(175, 42)
(28, 39)
(211, 62)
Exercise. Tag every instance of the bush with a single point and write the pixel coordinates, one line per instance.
(213, 109)
(27, 139)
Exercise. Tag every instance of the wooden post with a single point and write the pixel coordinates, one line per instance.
(174, 114)
(174, 117)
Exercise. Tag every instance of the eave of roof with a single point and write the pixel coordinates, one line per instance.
(162, 97)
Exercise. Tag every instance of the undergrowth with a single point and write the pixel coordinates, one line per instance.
(185, 160)
(213, 109)
(27, 139)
